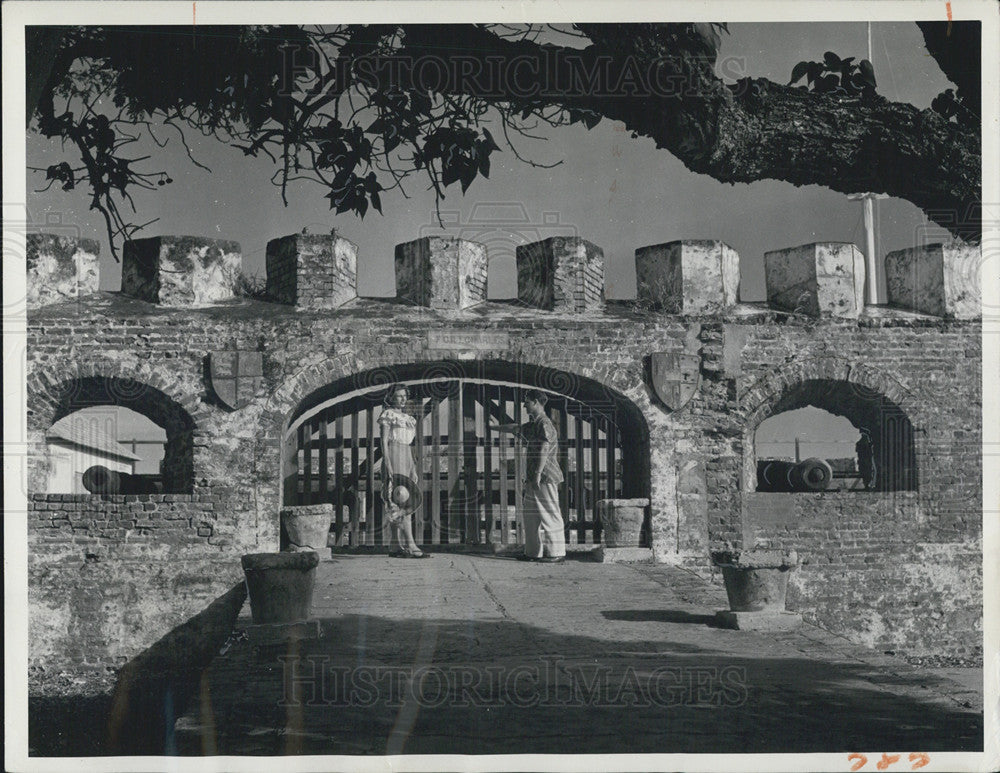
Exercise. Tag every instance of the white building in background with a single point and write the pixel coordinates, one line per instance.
(78, 442)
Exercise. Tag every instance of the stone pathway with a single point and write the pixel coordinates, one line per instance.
(481, 654)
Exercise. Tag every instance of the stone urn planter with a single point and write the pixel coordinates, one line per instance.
(280, 585)
(621, 521)
(307, 526)
(756, 582)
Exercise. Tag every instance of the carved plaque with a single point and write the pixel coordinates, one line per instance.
(675, 377)
(236, 376)
(467, 340)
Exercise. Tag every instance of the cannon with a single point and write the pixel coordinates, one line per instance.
(101, 480)
(812, 474)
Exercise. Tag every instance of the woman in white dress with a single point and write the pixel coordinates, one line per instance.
(400, 481)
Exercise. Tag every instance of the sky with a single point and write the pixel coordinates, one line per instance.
(619, 193)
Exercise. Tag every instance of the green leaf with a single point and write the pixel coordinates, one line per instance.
(827, 83)
(392, 142)
(798, 72)
(831, 60)
(420, 102)
(449, 175)
(484, 166)
(468, 175)
(490, 142)
(867, 72)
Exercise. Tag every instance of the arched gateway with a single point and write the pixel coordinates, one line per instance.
(471, 477)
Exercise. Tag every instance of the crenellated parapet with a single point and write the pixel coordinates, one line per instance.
(441, 272)
(563, 275)
(938, 279)
(312, 271)
(181, 271)
(60, 268)
(688, 277)
(823, 279)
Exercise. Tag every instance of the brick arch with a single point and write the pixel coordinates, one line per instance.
(282, 404)
(52, 398)
(869, 398)
(354, 388)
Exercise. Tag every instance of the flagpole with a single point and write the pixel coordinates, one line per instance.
(873, 295)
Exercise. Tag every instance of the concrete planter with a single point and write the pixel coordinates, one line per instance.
(621, 521)
(756, 581)
(308, 526)
(280, 585)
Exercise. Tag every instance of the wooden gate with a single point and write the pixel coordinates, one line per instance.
(471, 476)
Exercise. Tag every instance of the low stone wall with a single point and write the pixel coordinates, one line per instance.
(109, 575)
(898, 572)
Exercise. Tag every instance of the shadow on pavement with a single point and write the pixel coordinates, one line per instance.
(152, 691)
(660, 616)
(374, 685)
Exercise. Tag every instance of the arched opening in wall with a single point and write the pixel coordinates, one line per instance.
(826, 435)
(122, 425)
(470, 477)
(108, 436)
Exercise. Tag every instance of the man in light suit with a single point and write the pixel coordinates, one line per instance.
(544, 530)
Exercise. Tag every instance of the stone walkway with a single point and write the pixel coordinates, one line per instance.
(481, 654)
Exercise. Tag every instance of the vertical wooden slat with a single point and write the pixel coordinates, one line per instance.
(386, 529)
(580, 494)
(435, 503)
(503, 441)
(370, 475)
(519, 469)
(355, 483)
(338, 474)
(595, 463)
(324, 487)
(563, 424)
(456, 522)
(471, 456)
(612, 475)
(305, 443)
(486, 392)
(417, 519)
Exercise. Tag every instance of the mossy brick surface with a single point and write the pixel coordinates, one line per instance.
(181, 271)
(60, 268)
(821, 279)
(688, 277)
(939, 279)
(561, 273)
(312, 271)
(441, 273)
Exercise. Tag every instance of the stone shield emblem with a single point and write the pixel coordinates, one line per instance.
(236, 376)
(675, 377)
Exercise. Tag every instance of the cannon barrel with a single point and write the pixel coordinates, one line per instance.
(101, 480)
(812, 474)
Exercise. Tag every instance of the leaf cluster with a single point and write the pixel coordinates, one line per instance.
(950, 105)
(841, 77)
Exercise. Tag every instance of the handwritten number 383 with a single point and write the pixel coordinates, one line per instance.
(918, 760)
